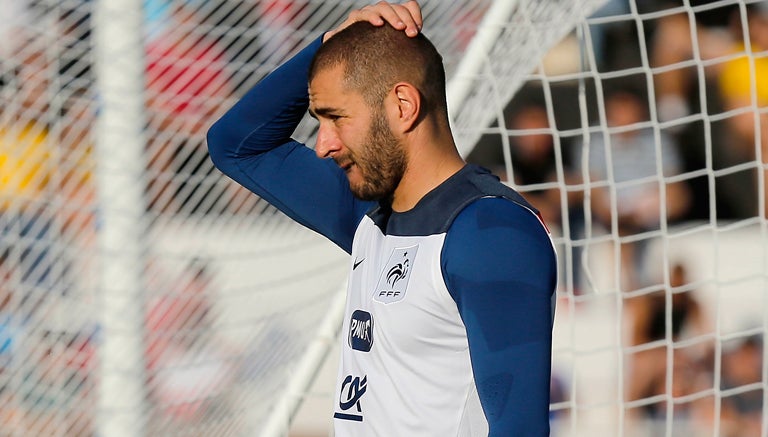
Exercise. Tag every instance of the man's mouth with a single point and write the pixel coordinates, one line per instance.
(345, 165)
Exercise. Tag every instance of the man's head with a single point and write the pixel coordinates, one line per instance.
(369, 86)
(374, 59)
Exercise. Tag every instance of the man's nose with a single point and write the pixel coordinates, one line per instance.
(327, 142)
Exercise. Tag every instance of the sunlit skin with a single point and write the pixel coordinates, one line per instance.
(393, 150)
(387, 152)
(357, 138)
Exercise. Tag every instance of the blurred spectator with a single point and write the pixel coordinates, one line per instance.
(531, 149)
(626, 179)
(739, 85)
(671, 42)
(648, 376)
(46, 194)
(188, 372)
(186, 85)
(534, 163)
(745, 91)
(742, 367)
(687, 313)
(711, 34)
(46, 206)
(29, 169)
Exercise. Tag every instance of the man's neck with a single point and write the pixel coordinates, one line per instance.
(430, 163)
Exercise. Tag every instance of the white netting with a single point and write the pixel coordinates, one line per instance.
(145, 294)
(642, 138)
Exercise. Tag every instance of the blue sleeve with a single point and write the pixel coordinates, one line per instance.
(251, 143)
(501, 270)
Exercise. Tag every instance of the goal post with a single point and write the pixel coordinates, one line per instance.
(119, 143)
(637, 128)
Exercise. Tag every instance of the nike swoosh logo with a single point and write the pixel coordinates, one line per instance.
(357, 263)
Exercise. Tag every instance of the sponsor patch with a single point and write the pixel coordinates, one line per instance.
(361, 331)
(352, 389)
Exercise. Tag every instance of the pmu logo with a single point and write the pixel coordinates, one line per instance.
(393, 282)
(361, 331)
(352, 389)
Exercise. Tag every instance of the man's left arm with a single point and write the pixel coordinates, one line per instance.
(501, 270)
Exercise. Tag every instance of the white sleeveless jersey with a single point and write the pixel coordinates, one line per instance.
(405, 355)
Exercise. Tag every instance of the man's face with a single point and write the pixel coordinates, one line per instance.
(356, 136)
(382, 161)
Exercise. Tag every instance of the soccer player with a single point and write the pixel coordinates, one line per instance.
(448, 321)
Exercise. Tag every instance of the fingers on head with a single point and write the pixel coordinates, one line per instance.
(405, 16)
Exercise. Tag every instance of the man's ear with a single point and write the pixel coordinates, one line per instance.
(405, 107)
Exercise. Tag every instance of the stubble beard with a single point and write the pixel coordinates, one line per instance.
(382, 162)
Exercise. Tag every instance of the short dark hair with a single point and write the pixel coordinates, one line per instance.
(376, 58)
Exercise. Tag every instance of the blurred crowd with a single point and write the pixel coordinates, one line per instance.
(673, 130)
(49, 218)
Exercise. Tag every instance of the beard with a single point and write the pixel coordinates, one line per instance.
(381, 161)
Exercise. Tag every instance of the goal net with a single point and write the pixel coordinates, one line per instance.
(143, 293)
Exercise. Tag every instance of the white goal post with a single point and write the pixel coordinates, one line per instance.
(142, 293)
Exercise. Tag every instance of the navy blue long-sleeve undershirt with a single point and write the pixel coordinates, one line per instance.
(498, 265)
(314, 192)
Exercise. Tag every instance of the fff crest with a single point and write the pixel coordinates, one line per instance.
(393, 281)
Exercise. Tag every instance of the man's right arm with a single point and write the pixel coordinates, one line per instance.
(251, 143)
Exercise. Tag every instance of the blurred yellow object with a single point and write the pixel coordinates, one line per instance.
(25, 163)
(736, 79)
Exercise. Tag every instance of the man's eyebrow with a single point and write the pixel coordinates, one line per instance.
(321, 112)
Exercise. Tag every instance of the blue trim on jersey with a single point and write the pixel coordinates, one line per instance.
(252, 144)
(352, 417)
(435, 212)
(500, 268)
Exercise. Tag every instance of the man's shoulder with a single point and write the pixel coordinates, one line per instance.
(489, 185)
(482, 185)
(497, 205)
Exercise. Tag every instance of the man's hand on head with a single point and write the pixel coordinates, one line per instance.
(406, 17)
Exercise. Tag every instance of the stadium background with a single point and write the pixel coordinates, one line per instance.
(143, 293)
